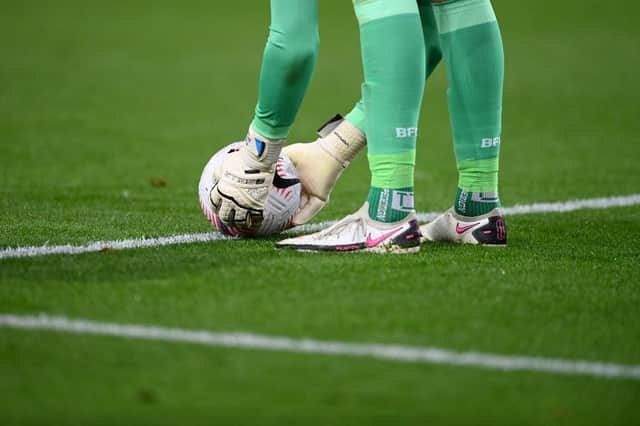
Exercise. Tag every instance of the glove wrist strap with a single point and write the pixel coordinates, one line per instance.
(261, 153)
(341, 140)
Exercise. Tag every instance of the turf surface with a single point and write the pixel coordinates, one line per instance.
(99, 99)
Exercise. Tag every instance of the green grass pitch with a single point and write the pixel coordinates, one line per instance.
(99, 98)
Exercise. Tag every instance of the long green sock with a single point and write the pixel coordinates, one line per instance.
(393, 57)
(287, 66)
(433, 56)
(472, 47)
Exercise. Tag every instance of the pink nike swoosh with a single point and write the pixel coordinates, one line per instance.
(463, 229)
(372, 242)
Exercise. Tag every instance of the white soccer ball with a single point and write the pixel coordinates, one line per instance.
(282, 201)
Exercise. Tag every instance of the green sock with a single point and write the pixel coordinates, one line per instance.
(477, 192)
(433, 55)
(287, 65)
(391, 34)
(475, 203)
(472, 47)
(390, 205)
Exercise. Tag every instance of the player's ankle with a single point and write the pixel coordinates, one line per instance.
(390, 205)
(475, 203)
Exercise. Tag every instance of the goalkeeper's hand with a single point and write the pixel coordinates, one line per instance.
(243, 182)
(320, 164)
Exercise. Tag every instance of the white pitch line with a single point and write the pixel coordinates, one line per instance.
(573, 205)
(557, 207)
(393, 353)
(110, 245)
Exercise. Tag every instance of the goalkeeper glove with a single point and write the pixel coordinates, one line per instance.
(320, 164)
(245, 177)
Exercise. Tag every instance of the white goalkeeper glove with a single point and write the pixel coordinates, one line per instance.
(320, 164)
(244, 179)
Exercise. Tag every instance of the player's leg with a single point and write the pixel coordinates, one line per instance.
(473, 53)
(287, 67)
(393, 56)
(321, 162)
(433, 56)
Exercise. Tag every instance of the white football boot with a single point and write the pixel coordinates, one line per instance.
(357, 232)
(488, 230)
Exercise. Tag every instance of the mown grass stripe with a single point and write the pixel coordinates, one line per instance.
(387, 352)
(68, 249)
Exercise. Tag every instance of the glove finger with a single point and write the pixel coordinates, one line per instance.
(246, 221)
(254, 220)
(248, 224)
(308, 211)
(240, 221)
(215, 198)
(233, 215)
(228, 212)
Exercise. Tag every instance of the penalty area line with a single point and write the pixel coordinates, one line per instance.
(536, 208)
(386, 352)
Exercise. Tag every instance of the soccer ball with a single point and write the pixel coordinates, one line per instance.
(282, 201)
